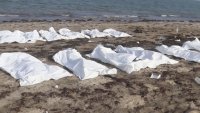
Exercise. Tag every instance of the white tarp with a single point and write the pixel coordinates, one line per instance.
(51, 35)
(95, 33)
(32, 37)
(156, 57)
(125, 61)
(80, 66)
(115, 33)
(28, 69)
(195, 44)
(180, 52)
(71, 35)
(107, 55)
(19, 36)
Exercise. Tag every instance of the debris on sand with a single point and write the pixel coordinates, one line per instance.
(197, 80)
(155, 75)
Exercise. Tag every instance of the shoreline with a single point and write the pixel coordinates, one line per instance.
(103, 20)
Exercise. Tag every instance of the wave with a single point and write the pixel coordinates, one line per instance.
(8, 15)
(120, 16)
(169, 15)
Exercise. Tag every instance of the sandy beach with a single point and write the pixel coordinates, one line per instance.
(175, 92)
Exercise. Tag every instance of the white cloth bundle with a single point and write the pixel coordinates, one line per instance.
(95, 33)
(19, 36)
(51, 35)
(125, 60)
(115, 33)
(180, 52)
(71, 35)
(80, 66)
(28, 69)
(195, 44)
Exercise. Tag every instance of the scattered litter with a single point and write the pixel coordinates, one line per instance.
(162, 38)
(178, 40)
(90, 41)
(56, 86)
(110, 45)
(197, 80)
(177, 30)
(138, 42)
(81, 67)
(155, 75)
(25, 48)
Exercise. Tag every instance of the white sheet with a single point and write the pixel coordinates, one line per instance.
(9, 37)
(28, 69)
(19, 36)
(180, 52)
(115, 33)
(71, 35)
(195, 44)
(125, 61)
(32, 37)
(83, 68)
(51, 35)
(95, 33)
(146, 54)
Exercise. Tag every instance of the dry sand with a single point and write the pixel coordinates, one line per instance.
(175, 92)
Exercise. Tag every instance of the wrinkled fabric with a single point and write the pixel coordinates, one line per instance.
(195, 45)
(180, 52)
(130, 61)
(81, 67)
(146, 54)
(95, 33)
(19, 36)
(115, 33)
(51, 35)
(71, 35)
(28, 69)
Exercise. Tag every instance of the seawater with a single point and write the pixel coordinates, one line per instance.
(11, 10)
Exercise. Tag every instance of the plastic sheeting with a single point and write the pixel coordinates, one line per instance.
(195, 44)
(19, 36)
(80, 66)
(51, 35)
(142, 54)
(32, 37)
(95, 33)
(125, 61)
(28, 69)
(115, 33)
(180, 52)
(7, 36)
(107, 55)
(71, 35)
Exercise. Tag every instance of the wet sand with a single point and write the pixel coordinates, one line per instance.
(175, 92)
